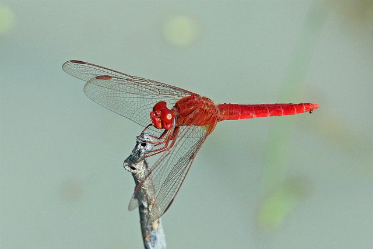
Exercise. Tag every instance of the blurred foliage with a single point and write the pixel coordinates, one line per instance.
(358, 12)
(292, 88)
(283, 196)
(281, 202)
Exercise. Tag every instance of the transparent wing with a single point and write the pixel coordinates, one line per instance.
(170, 170)
(130, 96)
(86, 71)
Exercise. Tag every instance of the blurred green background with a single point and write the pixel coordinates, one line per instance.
(303, 181)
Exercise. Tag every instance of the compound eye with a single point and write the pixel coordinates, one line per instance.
(156, 120)
(160, 106)
(167, 118)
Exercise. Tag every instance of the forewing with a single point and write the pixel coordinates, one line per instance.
(130, 96)
(86, 71)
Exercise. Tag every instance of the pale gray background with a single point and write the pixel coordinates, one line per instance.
(62, 181)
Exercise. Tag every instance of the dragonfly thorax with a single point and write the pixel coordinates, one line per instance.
(162, 117)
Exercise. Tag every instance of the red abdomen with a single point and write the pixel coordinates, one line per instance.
(236, 111)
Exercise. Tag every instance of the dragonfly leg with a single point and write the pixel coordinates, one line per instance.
(158, 138)
(158, 142)
(174, 136)
(169, 135)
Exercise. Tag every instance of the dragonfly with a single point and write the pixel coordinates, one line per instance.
(178, 121)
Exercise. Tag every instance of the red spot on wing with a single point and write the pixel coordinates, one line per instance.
(78, 62)
(104, 77)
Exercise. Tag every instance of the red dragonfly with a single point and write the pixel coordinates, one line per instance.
(178, 120)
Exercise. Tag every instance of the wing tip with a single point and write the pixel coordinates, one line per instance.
(67, 63)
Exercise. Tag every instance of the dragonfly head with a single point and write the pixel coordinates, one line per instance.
(162, 117)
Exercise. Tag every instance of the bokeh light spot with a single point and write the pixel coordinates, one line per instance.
(181, 30)
(7, 19)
